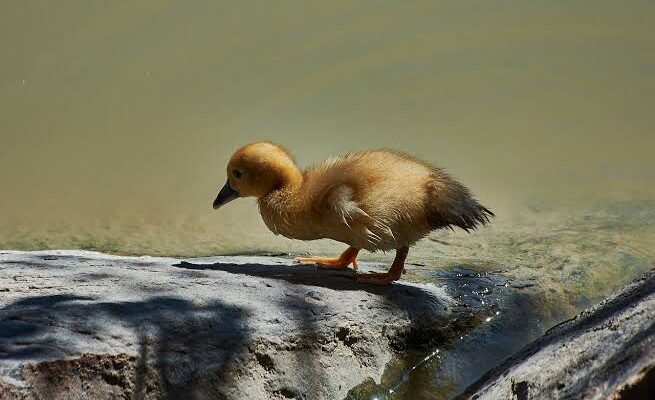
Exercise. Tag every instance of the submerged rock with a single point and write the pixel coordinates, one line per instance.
(77, 325)
(608, 351)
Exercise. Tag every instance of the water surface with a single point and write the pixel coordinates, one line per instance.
(117, 119)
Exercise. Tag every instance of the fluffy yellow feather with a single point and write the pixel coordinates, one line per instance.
(374, 200)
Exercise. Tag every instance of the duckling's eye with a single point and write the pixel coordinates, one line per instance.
(236, 173)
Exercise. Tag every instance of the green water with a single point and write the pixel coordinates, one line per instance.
(117, 120)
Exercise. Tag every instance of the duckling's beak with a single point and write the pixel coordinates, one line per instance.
(226, 195)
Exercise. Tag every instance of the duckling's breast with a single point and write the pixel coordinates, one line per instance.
(289, 218)
(294, 227)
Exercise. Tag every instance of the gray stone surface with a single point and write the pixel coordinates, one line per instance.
(608, 351)
(79, 324)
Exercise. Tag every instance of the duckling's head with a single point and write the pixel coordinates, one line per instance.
(256, 170)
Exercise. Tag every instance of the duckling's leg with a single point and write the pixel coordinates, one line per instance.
(394, 273)
(345, 259)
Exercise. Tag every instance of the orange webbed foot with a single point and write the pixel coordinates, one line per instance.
(342, 262)
(327, 262)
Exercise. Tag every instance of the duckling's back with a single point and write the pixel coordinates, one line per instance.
(385, 199)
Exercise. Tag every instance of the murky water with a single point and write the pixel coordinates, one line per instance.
(117, 119)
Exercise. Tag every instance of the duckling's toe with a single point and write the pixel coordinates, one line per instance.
(339, 265)
(342, 262)
(327, 262)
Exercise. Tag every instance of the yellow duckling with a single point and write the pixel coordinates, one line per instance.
(373, 200)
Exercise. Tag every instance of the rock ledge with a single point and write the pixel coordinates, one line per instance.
(79, 324)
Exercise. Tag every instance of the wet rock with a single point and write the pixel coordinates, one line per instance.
(608, 351)
(77, 325)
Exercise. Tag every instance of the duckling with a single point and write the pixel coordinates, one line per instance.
(374, 200)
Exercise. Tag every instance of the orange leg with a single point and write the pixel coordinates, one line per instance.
(394, 273)
(345, 259)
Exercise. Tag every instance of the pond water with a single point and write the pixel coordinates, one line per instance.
(117, 120)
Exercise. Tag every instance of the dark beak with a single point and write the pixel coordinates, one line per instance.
(226, 195)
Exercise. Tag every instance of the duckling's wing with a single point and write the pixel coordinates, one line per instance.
(340, 200)
(351, 214)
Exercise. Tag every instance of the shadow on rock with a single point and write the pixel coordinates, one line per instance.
(179, 342)
(312, 276)
(422, 306)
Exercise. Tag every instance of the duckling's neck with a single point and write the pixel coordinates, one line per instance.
(290, 177)
(281, 208)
